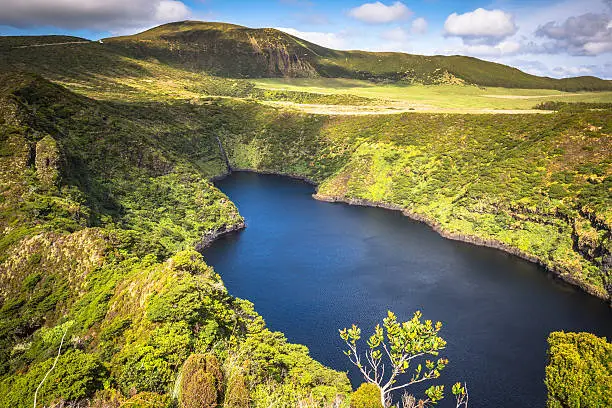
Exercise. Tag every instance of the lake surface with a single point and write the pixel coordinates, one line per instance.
(312, 267)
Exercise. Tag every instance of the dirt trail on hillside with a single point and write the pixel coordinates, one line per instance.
(52, 44)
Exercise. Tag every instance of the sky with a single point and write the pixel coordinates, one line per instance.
(556, 38)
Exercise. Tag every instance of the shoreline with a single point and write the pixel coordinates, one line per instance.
(470, 239)
(274, 173)
(211, 236)
(555, 272)
(299, 177)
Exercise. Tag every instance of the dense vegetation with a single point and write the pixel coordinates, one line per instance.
(579, 371)
(573, 107)
(236, 51)
(102, 205)
(105, 162)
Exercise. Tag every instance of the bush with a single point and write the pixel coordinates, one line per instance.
(147, 400)
(236, 392)
(366, 396)
(153, 366)
(579, 371)
(77, 375)
(201, 382)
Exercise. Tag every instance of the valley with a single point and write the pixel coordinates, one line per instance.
(108, 152)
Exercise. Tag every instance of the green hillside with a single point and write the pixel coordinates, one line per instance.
(89, 248)
(236, 51)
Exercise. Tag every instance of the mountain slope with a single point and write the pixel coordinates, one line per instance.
(236, 51)
(101, 207)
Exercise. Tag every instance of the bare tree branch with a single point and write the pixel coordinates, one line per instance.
(59, 351)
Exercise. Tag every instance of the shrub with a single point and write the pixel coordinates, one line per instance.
(153, 366)
(189, 261)
(77, 375)
(402, 343)
(236, 392)
(366, 396)
(579, 371)
(201, 382)
(147, 400)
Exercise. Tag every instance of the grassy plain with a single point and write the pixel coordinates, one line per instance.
(433, 97)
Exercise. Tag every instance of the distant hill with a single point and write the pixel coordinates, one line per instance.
(236, 51)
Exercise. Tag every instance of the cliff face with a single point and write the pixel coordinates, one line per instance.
(222, 49)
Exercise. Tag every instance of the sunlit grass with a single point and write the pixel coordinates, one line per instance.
(441, 96)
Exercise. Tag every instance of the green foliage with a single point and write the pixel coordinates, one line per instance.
(573, 106)
(77, 375)
(148, 400)
(201, 382)
(461, 394)
(31, 280)
(47, 161)
(152, 365)
(400, 343)
(366, 396)
(579, 371)
(192, 297)
(115, 329)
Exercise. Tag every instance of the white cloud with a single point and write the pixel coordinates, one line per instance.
(419, 26)
(504, 48)
(171, 10)
(586, 34)
(396, 34)
(330, 40)
(107, 15)
(560, 70)
(567, 71)
(379, 13)
(596, 48)
(509, 47)
(481, 26)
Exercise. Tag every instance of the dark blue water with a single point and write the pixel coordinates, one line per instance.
(312, 267)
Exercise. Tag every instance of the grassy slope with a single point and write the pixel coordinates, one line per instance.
(96, 70)
(236, 51)
(101, 206)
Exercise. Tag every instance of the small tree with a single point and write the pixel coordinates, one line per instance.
(399, 344)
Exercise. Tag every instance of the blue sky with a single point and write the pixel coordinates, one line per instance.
(545, 37)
